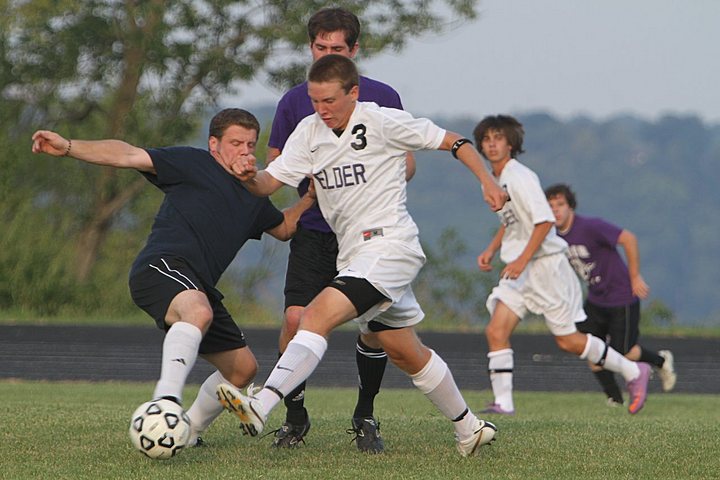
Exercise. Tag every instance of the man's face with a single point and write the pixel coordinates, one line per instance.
(562, 211)
(327, 43)
(332, 104)
(495, 146)
(236, 142)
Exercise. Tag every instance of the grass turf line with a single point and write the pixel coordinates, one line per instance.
(78, 430)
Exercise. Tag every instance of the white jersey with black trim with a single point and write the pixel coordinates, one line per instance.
(526, 207)
(360, 175)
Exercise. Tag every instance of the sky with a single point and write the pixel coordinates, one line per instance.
(566, 57)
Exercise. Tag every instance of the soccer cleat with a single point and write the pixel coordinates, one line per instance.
(638, 388)
(246, 407)
(367, 435)
(668, 377)
(611, 402)
(496, 408)
(290, 435)
(483, 434)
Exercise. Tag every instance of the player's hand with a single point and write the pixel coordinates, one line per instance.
(484, 261)
(513, 269)
(312, 193)
(45, 141)
(244, 167)
(494, 196)
(639, 288)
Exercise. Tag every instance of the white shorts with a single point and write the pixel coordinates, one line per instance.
(548, 287)
(390, 267)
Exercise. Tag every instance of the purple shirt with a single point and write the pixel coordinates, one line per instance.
(296, 105)
(594, 255)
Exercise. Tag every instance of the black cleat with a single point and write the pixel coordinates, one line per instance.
(291, 435)
(367, 435)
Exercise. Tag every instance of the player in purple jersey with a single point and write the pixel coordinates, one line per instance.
(206, 216)
(314, 249)
(614, 289)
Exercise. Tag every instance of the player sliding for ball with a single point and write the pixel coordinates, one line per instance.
(379, 250)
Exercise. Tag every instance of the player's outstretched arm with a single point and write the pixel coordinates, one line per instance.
(112, 153)
(494, 196)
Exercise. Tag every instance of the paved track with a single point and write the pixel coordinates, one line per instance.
(133, 354)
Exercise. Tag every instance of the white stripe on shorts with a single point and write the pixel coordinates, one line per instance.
(169, 273)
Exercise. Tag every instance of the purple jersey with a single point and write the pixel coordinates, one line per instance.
(296, 105)
(594, 255)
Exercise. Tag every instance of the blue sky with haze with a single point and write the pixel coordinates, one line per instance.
(567, 57)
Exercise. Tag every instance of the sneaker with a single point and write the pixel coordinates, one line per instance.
(483, 434)
(367, 435)
(668, 377)
(290, 435)
(638, 388)
(496, 408)
(246, 407)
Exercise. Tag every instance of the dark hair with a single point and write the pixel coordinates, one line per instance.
(509, 126)
(228, 117)
(564, 190)
(334, 68)
(333, 20)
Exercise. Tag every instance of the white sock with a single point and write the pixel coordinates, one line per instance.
(206, 407)
(614, 362)
(435, 380)
(500, 366)
(180, 350)
(301, 357)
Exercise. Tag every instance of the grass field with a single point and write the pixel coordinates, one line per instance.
(79, 431)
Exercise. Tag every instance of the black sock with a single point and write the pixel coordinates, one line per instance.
(648, 356)
(371, 364)
(606, 379)
(295, 404)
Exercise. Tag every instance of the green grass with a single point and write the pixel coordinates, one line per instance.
(73, 430)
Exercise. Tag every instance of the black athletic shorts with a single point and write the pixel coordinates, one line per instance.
(154, 286)
(311, 266)
(619, 326)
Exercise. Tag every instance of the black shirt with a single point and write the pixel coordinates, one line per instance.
(206, 215)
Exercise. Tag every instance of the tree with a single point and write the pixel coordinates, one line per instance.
(147, 72)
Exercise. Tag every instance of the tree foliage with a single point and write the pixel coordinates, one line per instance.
(146, 72)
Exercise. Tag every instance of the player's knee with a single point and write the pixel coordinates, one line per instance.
(292, 320)
(243, 372)
(199, 315)
(495, 336)
(371, 340)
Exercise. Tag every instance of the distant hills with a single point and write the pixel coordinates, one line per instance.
(659, 179)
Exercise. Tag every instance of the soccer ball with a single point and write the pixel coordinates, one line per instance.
(159, 428)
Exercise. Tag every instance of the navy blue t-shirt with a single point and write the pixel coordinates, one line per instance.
(206, 215)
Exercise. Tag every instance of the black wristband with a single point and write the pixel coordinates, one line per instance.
(458, 143)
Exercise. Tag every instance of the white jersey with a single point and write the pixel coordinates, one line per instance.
(527, 206)
(360, 175)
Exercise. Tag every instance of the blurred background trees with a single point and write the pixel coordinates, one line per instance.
(147, 72)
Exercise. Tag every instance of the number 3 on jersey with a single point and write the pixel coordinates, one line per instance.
(360, 138)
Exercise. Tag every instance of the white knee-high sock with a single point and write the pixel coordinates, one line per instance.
(614, 362)
(301, 357)
(500, 367)
(435, 380)
(180, 350)
(206, 407)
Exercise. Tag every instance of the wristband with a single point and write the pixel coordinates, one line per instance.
(459, 143)
(67, 150)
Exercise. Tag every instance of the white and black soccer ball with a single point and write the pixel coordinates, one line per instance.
(159, 429)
